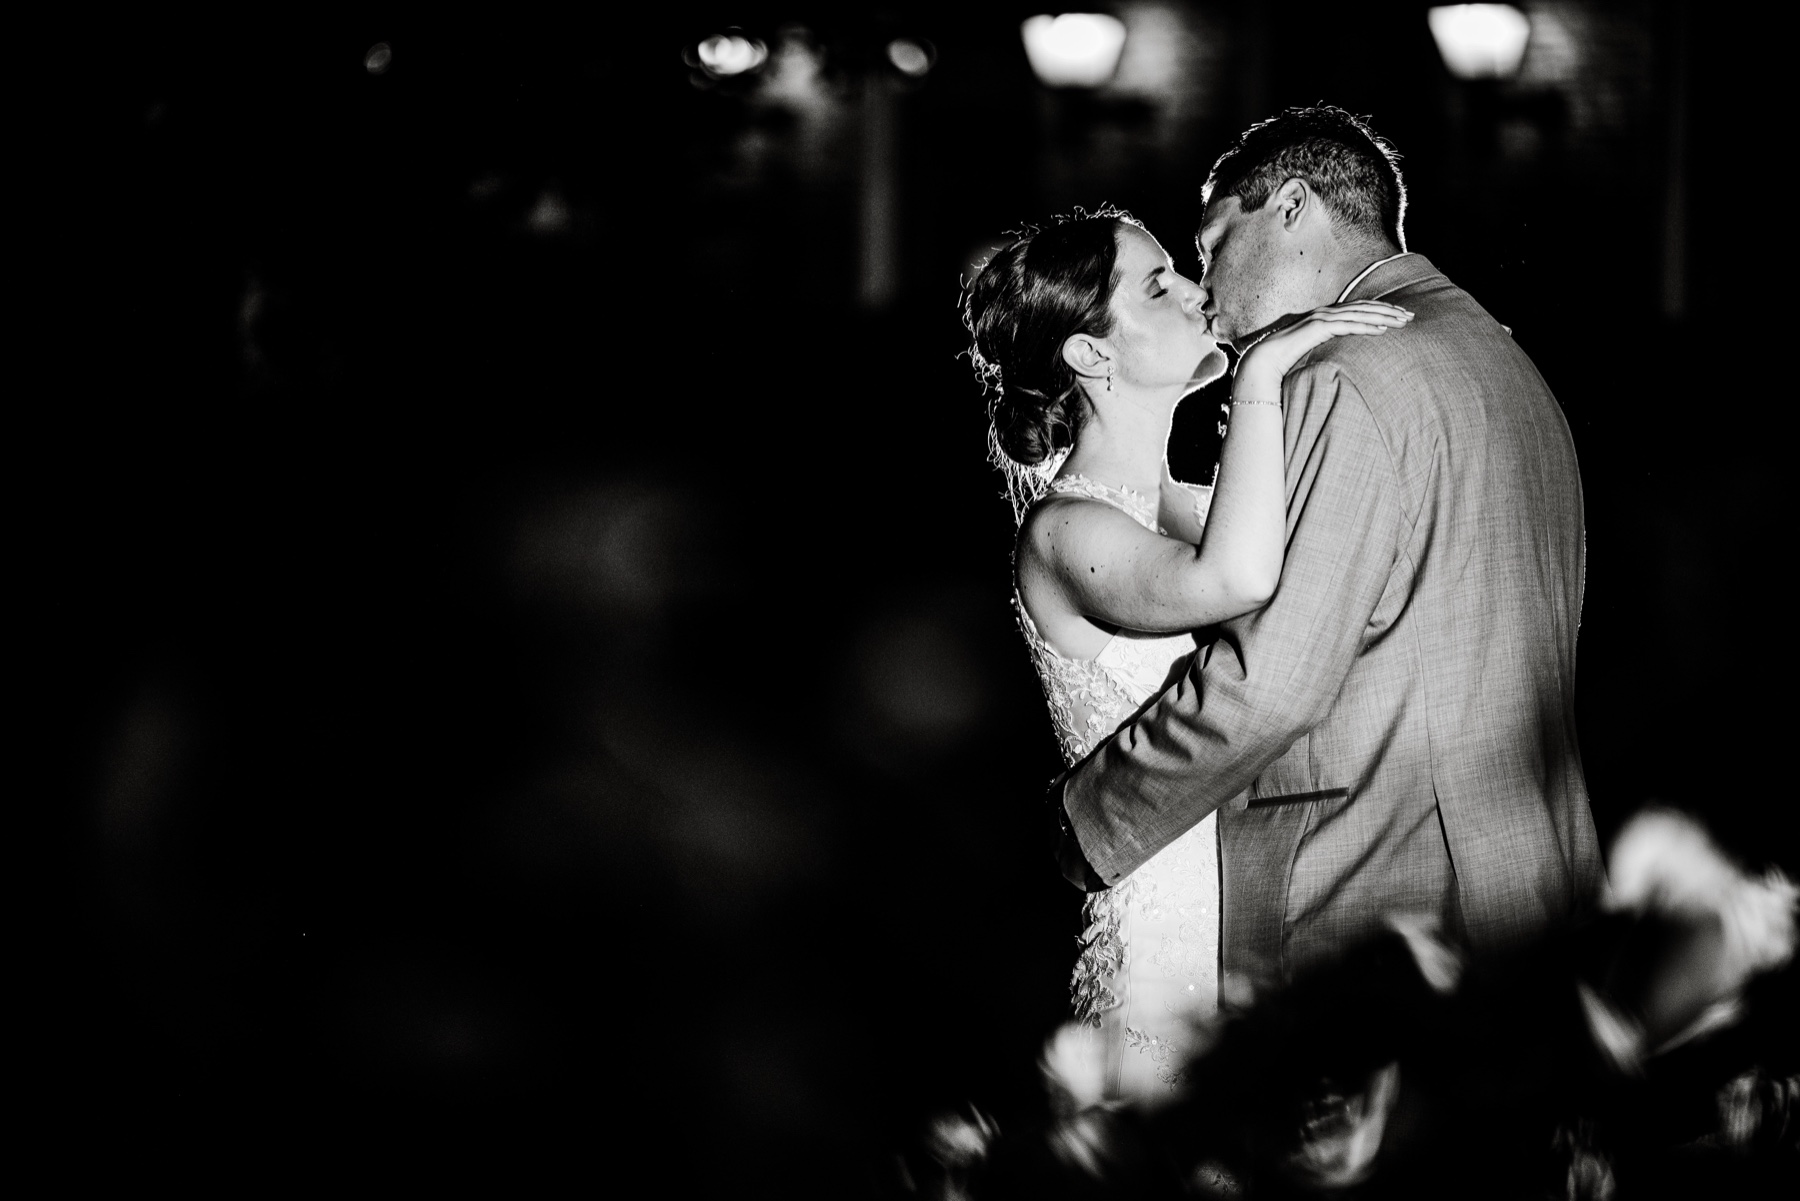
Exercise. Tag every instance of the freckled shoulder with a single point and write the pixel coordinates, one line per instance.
(1066, 534)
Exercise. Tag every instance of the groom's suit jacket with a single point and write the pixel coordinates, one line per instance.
(1395, 731)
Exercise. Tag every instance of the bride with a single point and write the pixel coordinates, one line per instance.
(1088, 339)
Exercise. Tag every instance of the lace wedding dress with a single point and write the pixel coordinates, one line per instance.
(1149, 961)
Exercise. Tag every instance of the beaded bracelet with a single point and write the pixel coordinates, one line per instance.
(1236, 401)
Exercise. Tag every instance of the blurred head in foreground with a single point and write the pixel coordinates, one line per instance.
(1617, 1050)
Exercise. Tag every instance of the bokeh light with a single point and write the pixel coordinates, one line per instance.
(1480, 41)
(378, 59)
(731, 54)
(1074, 50)
(911, 56)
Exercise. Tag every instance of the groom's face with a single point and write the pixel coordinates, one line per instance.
(1239, 252)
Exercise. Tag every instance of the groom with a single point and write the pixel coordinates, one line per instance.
(1395, 731)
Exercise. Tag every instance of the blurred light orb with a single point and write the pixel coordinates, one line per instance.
(378, 59)
(911, 57)
(550, 215)
(1074, 50)
(1480, 41)
(731, 54)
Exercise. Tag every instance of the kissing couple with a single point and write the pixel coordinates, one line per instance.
(1335, 688)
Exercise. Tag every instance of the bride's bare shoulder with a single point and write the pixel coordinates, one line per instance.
(1049, 522)
(1061, 530)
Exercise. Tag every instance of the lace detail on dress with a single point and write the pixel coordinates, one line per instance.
(1163, 1053)
(1101, 957)
(1202, 501)
(1156, 930)
(1142, 508)
(1087, 697)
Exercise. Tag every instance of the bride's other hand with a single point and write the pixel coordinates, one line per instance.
(1265, 363)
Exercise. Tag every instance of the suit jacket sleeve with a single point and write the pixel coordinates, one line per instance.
(1270, 676)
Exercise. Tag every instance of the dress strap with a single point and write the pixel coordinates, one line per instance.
(1132, 502)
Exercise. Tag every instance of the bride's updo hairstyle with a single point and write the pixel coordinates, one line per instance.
(1028, 299)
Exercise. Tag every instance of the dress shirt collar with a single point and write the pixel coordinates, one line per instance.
(1364, 274)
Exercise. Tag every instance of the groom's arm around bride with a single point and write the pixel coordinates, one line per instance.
(1395, 730)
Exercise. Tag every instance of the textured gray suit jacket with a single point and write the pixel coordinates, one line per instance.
(1395, 731)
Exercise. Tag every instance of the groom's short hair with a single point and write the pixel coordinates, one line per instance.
(1352, 168)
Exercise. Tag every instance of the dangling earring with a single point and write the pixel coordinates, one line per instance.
(1109, 379)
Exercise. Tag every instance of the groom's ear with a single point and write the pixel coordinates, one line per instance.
(1086, 355)
(1293, 202)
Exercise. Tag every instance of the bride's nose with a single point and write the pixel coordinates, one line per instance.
(1195, 301)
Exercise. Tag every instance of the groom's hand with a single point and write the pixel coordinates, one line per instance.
(1066, 847)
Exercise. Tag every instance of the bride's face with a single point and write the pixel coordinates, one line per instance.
(1160, 331)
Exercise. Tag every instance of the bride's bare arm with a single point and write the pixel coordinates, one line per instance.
(1114, 571)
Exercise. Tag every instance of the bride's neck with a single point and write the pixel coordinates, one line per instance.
(1124, 442)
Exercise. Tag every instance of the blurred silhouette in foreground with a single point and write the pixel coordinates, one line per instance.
(1646, 1052)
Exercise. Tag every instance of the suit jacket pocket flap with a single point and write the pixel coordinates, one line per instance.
(1300, 798)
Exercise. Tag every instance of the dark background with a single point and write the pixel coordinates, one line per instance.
(530, 674)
